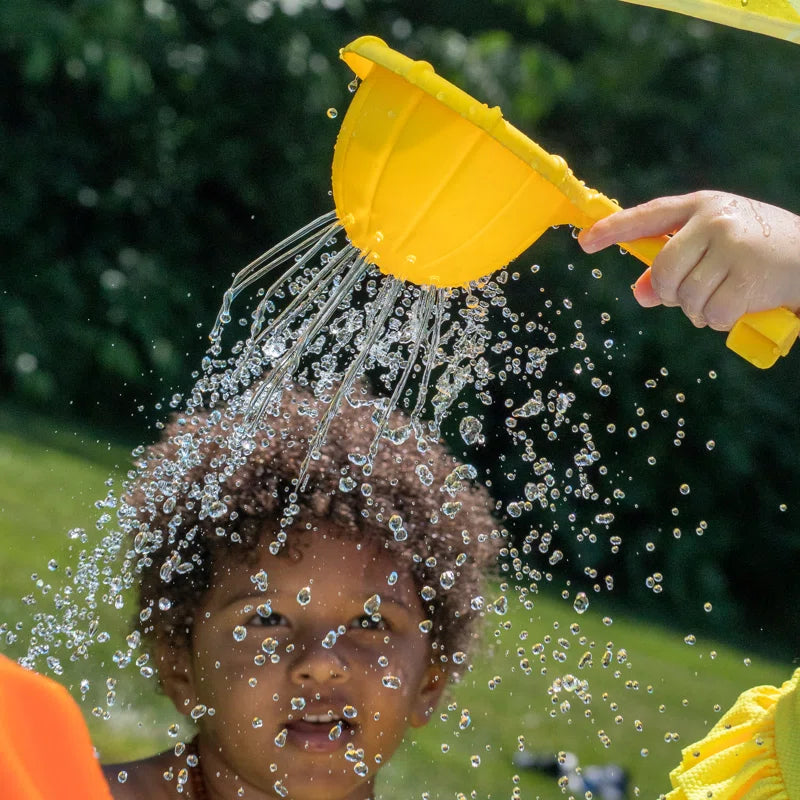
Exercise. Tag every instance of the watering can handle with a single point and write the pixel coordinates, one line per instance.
(759, 337)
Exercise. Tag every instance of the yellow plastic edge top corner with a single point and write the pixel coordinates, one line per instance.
(362, 53)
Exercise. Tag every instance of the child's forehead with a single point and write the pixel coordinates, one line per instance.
(327, 550)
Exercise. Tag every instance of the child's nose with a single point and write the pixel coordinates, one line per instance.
(317, 664)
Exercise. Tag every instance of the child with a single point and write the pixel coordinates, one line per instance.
(729, 255)
(303, 664)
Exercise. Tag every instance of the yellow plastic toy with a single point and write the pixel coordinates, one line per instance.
(779, 18)
(437, 188)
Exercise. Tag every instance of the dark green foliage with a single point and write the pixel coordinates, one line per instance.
(151, 149)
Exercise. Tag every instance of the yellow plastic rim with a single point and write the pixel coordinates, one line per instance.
(779, 18)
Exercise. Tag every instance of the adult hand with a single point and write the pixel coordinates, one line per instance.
(728, 255)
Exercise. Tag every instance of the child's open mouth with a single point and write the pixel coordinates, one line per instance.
(320, 733)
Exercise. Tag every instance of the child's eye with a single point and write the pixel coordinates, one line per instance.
(269, 620)
(369, 622)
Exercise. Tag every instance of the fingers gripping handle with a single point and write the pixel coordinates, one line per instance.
(759, 337)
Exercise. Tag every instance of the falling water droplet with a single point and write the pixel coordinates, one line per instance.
(264, 610)
(581, 602)
(424, 474)
(239, 633)
(217, 509)
(347, 484)
(260, 580)
(372, 604)
(470, 429)
(451, 508)
(501, 605)
(447, 579)
(304, 596)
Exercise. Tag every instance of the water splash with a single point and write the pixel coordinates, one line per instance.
(329, 320)
(326, 322)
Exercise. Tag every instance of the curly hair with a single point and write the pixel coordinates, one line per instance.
(197, 499)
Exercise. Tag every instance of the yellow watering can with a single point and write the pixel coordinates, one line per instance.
(437, 188)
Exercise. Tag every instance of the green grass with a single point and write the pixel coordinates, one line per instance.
(667, 685)
(50, 483)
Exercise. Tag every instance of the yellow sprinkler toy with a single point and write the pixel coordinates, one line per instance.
(436, 188)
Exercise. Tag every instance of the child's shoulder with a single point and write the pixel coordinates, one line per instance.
(135, 780)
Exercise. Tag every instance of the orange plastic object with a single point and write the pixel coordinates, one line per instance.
(437, 188)
(45, 750)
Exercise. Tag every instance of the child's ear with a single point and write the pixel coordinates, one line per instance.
(430, 690)
(177, 675)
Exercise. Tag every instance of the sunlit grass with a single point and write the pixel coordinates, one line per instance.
(676, 691)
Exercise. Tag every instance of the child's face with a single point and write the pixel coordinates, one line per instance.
(255, 704)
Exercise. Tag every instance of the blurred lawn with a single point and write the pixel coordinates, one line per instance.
(676, 691)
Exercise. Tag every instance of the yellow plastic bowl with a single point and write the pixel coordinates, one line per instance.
(436, 188)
